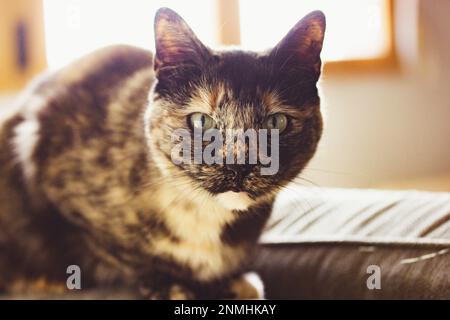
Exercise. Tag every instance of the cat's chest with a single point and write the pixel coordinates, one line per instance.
(197, 223)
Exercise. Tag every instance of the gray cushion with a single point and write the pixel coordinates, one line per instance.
(320, 243)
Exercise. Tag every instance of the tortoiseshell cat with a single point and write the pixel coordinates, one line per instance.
(86, 176)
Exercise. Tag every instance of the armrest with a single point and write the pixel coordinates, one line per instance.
(321, 244)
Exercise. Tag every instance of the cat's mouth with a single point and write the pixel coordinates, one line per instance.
(236, 189)
(229, 188)
(234, 185)
(245, 188)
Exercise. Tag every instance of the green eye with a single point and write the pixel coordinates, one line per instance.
(277, 121)
(201, 121)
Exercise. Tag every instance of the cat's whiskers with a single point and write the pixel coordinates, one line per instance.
(305, 180)
(294, 199)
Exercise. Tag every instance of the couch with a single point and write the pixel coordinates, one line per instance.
(330, 244)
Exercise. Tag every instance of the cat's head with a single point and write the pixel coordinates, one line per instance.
(198, 87)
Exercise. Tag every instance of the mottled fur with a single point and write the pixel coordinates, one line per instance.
(86, 176)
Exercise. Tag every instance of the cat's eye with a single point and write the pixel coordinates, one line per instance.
(201, 121)
(277, 121)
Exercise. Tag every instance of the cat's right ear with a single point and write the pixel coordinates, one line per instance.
(176, 44)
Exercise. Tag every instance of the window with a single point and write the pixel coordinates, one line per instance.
(76, 27)
(356, 29)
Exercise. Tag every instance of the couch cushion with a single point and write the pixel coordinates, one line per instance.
(321, 242)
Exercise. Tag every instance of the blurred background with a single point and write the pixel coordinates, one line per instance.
(385, 86)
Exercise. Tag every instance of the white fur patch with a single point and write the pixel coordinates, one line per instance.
(255, 280)
(234, 200)
(27, 135)
(198, 220)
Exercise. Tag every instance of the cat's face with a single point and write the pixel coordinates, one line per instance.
(201, 88)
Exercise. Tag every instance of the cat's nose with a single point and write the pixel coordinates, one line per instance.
(239, 170)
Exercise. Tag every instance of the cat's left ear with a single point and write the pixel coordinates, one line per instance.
(176, 43)
(303, 44)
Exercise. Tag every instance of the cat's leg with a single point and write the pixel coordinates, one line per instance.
(247, 286)
(162, 287)
(241, 287)
(170, 292)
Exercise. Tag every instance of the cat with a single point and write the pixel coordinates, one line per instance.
(87, 178)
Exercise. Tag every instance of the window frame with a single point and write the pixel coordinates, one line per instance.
(31, 15)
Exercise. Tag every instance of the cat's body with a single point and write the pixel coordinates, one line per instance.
(88, 160)
(85, 179)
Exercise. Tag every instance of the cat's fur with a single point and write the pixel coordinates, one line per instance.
(86, 176)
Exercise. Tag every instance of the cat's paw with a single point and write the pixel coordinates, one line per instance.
(171, 292)
(248, 286)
